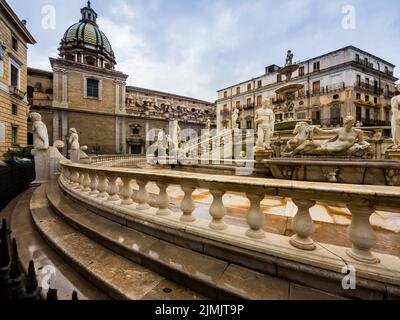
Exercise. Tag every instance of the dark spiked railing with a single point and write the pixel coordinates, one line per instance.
(14, 284)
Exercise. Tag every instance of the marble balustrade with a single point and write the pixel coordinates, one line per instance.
(361, 200)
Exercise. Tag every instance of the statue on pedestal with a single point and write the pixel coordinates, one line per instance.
(396, 122)
(348, 142)
(235, 117)
(40, 134)
(73, 141)
(289, 58)
(265, 122)
(175, 135)
(47, 158)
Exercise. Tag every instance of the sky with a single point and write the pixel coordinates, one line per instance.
(196, 47)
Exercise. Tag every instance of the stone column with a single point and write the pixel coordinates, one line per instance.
(163, 200)
(255, 216)
(217, 210)
(142, 195)
(187, 204)
(361, 233)
(112, 189)
(126, 192)
(102, 186)
(303, 225)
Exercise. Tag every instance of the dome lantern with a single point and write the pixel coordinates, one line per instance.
(88, 14)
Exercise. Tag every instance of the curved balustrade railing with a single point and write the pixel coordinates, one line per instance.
(100, 184)
(117, 160)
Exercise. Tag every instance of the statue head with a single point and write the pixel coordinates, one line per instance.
(349, 122)
(35, 116)
(397, 90)
(73, 130)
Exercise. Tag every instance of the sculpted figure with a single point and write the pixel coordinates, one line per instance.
(302, 133)
(265, 121)
(348, 141)
(176, 131)
(289, 58)
(40, 134)
(208, 124)
(396, 121)
(235, 117)
(74, 139)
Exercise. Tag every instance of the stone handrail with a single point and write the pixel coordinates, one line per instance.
(117, 160)
(101, 183)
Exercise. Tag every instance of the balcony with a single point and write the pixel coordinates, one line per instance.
(375, 123)
(371, 66)
(15, 92)
(366, 87)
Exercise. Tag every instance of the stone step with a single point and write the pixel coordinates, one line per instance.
(47, 261)
(215, 278)
(119, 277)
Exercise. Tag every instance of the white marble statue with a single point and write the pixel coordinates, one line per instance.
(73, 141)
(40, 134)
(175, 135)
(235, 117)
(348, 141)
(208, 125)
(265, 122)
(396, 122)
(47, 158)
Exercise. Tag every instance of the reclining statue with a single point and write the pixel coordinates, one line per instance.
(348, 142)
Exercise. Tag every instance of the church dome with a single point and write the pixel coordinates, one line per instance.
(84, 42)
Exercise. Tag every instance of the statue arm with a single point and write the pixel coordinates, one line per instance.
(360, 137)
(40, 133)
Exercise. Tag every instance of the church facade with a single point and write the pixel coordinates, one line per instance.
(86, 92)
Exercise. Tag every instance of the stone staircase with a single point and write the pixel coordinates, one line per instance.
(102, 259)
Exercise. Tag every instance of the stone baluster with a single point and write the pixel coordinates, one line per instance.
(303, 225)
(112, 189)
(361, 233)
(81, 179)
(102, 186)
(163, 200)
(93, 184)
(255, 216)
(217, 210)
(66, 174)
(75, 179)
(86, 183)
(126, 191)
(142, 195)
(187, 204)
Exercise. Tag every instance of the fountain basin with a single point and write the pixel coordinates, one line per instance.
(290, 89)
(290, 124)
(336, 170)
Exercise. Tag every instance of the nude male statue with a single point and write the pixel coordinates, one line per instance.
(265, 121)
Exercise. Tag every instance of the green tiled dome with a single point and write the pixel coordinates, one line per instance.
(89, 33)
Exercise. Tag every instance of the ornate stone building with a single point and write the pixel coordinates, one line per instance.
(84, 91)
(342, 82)
(14, 38)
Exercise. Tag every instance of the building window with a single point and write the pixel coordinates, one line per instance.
(366, 98)
(358, 96)
(316, 87)
(249, 102)
(14, 136)
(92, 88)
(249, 124)
(366, 61)
(279, 78)
(259, 101)
(358, 80)
(259, 83)
(301, 71)
(238, 90)
(237, 104)
(316, 66)
(14, 43)
(135, 130)
(14, 76)
(358, 113)
(367, 83)
(357, 57)
(249, 87)
(225, 94)
(367, 114)
(14, 109)
(376, 100)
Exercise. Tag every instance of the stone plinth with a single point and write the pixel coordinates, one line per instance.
(261, 155)
(42, 166)
(393, 154)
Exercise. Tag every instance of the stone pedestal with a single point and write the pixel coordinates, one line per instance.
(393, 154)
(42, 166)
(74, 155)
(261, 155)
